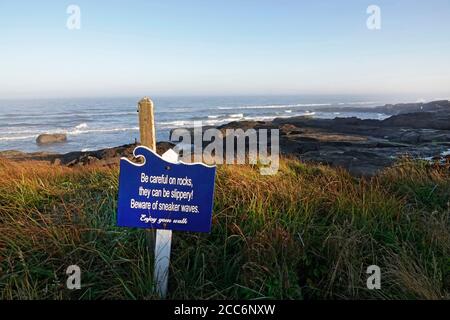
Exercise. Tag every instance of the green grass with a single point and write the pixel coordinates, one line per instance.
(308, 232)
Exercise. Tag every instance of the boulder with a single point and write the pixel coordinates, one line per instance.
(51, 138)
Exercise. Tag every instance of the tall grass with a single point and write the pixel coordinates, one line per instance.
(308, 232)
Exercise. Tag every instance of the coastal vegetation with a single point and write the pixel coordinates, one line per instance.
(308, 232)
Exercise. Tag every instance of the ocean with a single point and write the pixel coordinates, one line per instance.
(92, 124)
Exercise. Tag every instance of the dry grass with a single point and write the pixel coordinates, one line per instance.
(308, 232)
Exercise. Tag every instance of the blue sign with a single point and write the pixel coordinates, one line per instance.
(159, 194)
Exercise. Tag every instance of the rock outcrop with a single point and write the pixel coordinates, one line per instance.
(51, 138)
(395, 109)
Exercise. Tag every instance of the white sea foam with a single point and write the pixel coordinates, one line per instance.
(269, 118)
(18, 138)
(282, 106)
(221, 121)
(19, 132)
(208, 122)
(357, 103)
(173, 124)
(78, 131)
(69, 115)
(81, 126)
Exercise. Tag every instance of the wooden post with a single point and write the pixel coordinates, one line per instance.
(148, 139)
(147, 123)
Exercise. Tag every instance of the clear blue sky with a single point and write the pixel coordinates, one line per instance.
(216, 47)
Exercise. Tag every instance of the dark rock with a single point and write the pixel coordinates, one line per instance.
(417, 120)
(447, 159)
(51, 138)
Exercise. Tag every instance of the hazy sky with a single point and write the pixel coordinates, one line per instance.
(217, 47)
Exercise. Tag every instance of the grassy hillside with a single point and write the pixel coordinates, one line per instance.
(308, 232)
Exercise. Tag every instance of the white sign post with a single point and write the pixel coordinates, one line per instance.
(163, 246)
(162, 261)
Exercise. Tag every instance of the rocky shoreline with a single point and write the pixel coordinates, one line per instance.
(103, 157)
(361, 146)
(366, 146)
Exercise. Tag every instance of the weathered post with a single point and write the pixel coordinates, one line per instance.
(147, 123)
(148, 139)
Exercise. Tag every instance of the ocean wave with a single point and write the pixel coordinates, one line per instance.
(357, 103)
(208, 122)
(80, 131)
(18, 138)
(175, 123)
(25, 131)
(81, 126)
(282, 106)
(67, 115)
(221, 121)
(230, 118)
(269, 118)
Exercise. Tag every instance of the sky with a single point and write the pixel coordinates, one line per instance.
(233, 47)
